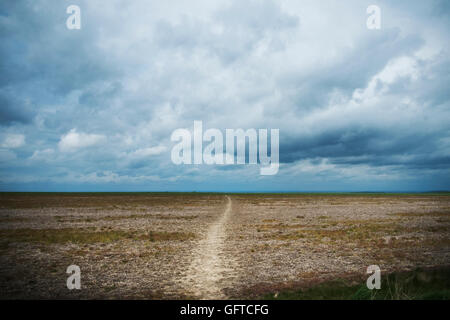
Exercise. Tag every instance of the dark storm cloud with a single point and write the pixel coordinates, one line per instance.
(37, 53)
(441, 8)
(13, 110)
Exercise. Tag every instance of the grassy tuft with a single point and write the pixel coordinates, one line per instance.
(413, 285)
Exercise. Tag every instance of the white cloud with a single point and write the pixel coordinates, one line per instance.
(147, 152)
(12, 141)
(400, 68)
(74, 140)
(42, 154)
(109, 176)
(319, 167)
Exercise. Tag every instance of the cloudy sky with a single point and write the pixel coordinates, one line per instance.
(93, 109)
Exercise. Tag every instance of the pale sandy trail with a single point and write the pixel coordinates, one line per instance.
(210, 264)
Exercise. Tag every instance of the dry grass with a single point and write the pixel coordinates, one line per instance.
(349, 231)
(121, 201)
(70, 235)
(445, 213)
(123, 217)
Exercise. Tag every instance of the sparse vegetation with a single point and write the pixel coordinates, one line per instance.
(69, 235)
(124, 217)
(413, 285)
(128, 242)
(445, 213)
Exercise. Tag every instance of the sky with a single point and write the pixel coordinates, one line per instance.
(93, 109)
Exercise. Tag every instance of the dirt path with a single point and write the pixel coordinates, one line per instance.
(209, 264)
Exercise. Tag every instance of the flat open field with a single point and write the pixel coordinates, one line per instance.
(200, 246)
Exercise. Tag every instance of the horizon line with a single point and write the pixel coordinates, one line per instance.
(239, 192)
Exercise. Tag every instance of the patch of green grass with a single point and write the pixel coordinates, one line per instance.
(67, 235)
(413, 285)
